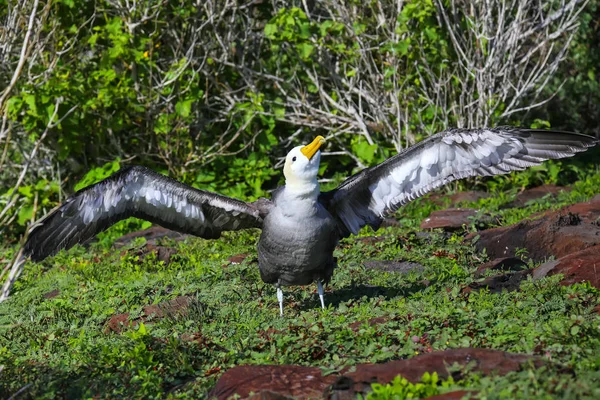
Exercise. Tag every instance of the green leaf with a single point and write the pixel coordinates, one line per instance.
(575, 330)
(270, 31)
(304, 31)
(25, 214)
(142, 329)
(364, 150)
(30, 101)
(97, 174)
(14, 105)
(402, 47)
(26, 191)
(183, 108)
(305, 50)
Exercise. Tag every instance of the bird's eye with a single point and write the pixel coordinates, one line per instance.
(293, 159)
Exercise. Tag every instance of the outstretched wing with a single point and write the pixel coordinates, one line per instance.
(367, 197)
(142, 193)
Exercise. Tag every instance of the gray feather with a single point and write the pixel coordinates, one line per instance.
(367, 197)
(142, 193)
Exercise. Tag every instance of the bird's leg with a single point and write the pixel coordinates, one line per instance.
(321, 296)
(280, 298)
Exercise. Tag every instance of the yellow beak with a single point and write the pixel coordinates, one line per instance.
(311, 149)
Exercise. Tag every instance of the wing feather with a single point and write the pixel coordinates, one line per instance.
(142, 193)
(372, 194)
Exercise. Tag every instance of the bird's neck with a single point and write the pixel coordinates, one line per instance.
(299, 194)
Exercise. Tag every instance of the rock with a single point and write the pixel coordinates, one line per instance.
(355, 326)
(294, 381)
(162, 253)
(456, 395)
(496, 284)
(173, 308)
(268, 395)
(117, 323)
(176, 307)
(402, 267)
(52, 294)
(428, 236)
(482, 360)
(284, 380)
(238, 258)
(371, 240)
(536, 193)
(151, 234)
(467, 197)
(387, 222)
(576, 267)
(501, 264)
(470, 196)
(452, 219)
(555, 233)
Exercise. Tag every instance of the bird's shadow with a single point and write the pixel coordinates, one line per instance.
(356, 291)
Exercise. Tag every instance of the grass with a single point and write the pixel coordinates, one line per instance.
(60, 346)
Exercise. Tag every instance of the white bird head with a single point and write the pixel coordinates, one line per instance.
(302, 164)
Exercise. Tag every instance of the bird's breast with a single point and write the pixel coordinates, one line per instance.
(292, 249)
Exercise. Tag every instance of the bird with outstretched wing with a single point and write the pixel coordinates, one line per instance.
(301, 225)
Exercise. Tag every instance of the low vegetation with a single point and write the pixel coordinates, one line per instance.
(56, 340)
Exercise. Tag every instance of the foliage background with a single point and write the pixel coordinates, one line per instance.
(214, 93)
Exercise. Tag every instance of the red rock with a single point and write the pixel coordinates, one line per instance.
(556, 233)
(285, 380)
(176, 307)
(387, 222)
(52, 294)
(496, 284)
(268, 395)
(468, 197)
(536, 193)
(483, 360)
(151, 234)
(355, 326)
(370, 240)
(117, 323)
(162, 253)
(501, 264)
(237, 259)
(403, 267)
(577, 267)
(307, 382)
(451, 219)
(456, 395)
(456, 198)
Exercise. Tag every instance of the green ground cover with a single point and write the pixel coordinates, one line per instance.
(60, 346)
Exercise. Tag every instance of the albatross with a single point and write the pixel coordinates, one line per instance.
(301, 225)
